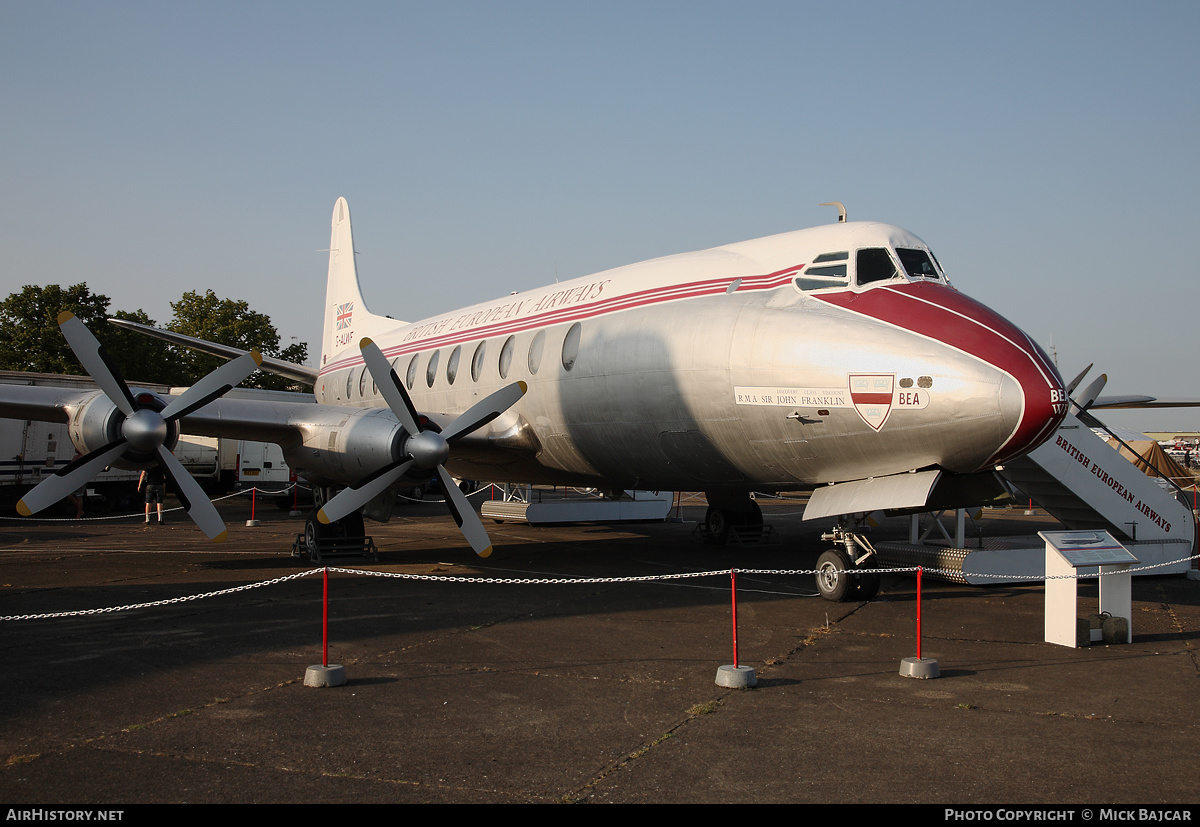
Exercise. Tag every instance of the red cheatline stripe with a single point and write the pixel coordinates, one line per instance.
(674, 292)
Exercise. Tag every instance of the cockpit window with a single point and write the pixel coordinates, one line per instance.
(842, 256)
(917, 263)
(940, 268)
(874, 264)
(822, 275)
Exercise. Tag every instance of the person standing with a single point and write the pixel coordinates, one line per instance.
(156, 485)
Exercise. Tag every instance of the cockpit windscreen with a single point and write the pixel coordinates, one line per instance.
(917, 264)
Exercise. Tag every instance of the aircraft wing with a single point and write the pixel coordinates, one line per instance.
(284, 423)
(1114, 402)
(40, 403)
(262, 420)
(300, 373)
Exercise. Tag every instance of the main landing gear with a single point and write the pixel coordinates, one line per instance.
(350, 528)
(729, 512)
(844, 574)
(344, 534)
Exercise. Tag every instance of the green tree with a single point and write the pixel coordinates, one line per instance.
(233, 323)
(29, 335)
(31, 341)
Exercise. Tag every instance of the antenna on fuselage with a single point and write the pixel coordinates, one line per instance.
(841, 209)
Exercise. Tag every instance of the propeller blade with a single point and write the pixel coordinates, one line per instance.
(468, 521)
(484, 411)
(1089, 394)
(356, 496)
(1074, 383)
(191, 495)
(92, 356)
(422, 453)
(390, 386)
(70, 479)
(212, 386)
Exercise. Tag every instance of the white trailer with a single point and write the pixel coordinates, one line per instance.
(31, 450)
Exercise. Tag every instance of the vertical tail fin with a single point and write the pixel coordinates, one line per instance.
(347, 319)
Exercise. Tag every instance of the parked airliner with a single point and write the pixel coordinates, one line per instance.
(838, 358)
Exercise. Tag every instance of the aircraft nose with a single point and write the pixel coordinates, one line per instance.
(1032, 400)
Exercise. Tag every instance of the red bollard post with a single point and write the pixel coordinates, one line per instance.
(733, 675)
(919, 570)
(733, 593)
(325, 673)
(252, 521)
(919, 667)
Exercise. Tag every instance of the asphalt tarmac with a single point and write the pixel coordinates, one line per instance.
(595, 691)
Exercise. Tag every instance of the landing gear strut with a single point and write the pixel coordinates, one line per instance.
(844, 574)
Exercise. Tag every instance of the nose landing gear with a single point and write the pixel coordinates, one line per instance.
(844, 574)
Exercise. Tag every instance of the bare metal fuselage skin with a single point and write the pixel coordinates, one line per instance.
(716, 370)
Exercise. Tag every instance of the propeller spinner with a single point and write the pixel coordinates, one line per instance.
(424, 449)
(144, 430)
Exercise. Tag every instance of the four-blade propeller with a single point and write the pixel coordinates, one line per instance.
(424, 449)
(143, 430)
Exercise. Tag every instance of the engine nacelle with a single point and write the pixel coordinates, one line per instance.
(341, 449)
(98, 422)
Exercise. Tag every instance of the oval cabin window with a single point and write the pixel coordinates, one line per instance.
(535, 351)
(570, 348)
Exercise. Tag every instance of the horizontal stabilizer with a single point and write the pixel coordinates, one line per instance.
(299, 373)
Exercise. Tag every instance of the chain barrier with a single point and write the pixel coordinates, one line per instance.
(568, 581)
(481, 490)
(165, 602)
(244, 492)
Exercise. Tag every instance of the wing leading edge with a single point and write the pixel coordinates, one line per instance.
(299, 373)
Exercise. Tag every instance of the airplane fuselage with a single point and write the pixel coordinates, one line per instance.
(781, 362)
(839, 354)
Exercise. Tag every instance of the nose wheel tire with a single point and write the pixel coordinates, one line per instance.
(834, 580)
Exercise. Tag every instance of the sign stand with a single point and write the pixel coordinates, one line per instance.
(1066, 553)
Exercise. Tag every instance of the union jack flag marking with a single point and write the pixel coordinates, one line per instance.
(345, 313)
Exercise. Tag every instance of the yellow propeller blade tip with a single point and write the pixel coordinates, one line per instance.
(524, 386)
(256, 356)
(363, 342)
(222, 537)
(23, 509)
(321, 518)
(487, 552)
(65, 317)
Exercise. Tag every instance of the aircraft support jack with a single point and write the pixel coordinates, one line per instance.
(843, 574)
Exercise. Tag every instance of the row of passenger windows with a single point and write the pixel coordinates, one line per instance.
(871, 264)
(504, 362)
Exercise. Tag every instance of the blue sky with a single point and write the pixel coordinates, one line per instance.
(1046, 151)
